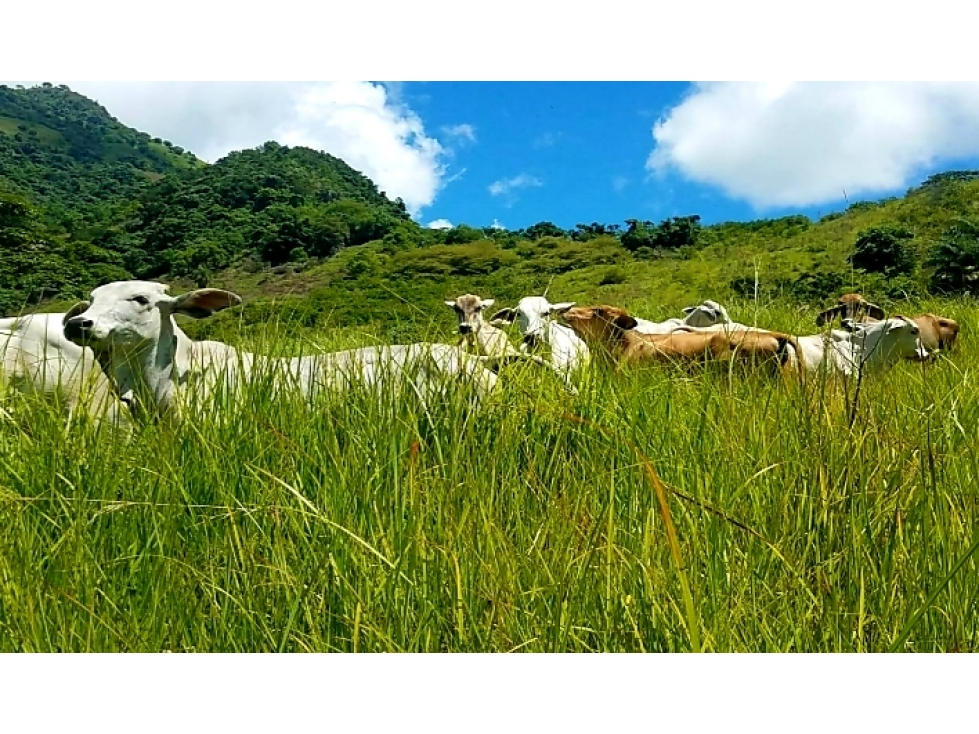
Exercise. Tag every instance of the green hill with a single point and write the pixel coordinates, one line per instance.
(300, 233)
(272, 204)
(74, 179)
(68, 153)
(793, 258)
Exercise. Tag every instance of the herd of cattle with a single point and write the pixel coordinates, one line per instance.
(123, 351)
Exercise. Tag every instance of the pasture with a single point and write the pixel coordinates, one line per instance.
(656, 510)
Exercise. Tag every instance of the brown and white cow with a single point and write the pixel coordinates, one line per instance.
(937, 333)
(612, 329)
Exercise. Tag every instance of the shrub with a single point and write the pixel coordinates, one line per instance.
(884, 250)
(955, 260)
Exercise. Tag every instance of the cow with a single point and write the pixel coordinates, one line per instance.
(150, 360)
(533, 316)
(708, 313)
(36, 358)
(488, 341)
(613, 330)
(937, 332)
(868, 347)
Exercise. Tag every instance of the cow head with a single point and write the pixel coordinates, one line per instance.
(469, 309)
(127, 314)
(707, 313)
(894, 338)
(532, 315)
(599, 324)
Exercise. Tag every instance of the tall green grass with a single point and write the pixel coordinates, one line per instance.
(539, 521)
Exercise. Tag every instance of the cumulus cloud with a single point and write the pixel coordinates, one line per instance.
(507, 185)
(801, 143)
(497, 224)
(365, 124)
(440, 224)
(463, 133)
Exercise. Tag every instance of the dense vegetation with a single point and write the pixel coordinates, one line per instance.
(653, 511)
(105, 201)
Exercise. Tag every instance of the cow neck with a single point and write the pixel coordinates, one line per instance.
(150, 373)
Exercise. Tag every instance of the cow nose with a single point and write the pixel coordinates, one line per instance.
(465, 328)
(78, 326)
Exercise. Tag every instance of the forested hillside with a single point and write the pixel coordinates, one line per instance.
(68, 153)
(85, 199)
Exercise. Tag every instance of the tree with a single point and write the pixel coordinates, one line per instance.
(543, 229)
(585, 232)
(669, 234)
(639, 233)
(884, 250)
(462, 234)
(955, 259)
(677, 232)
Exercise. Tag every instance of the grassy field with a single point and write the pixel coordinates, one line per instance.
(655, 511)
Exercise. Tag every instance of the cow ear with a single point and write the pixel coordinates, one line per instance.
(78, 308)
(874, 310)
(689, 310)
(204, 302)
(829, 314)
(625, 321)
(487, 302)
(561, 307)
(506, 316)
(450, 304)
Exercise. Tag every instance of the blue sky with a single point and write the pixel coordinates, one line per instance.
(516, 153)
(582, 148)
(587, 146)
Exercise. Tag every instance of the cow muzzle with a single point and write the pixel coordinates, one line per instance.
(78, 329)
(532, 341)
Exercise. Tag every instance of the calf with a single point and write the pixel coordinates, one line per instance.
(490, 342)
(613, 330)
(937, 332)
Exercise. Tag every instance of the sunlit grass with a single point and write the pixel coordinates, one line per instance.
(532, 523)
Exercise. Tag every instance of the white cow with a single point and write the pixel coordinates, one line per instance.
(872, 347)
(707, 314)
(533, 316)
(130, 326)
(35, 357)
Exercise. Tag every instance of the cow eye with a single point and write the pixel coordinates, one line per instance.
(141, 300)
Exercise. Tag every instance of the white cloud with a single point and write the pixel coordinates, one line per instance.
(464, 133)
(497, 224)
(801, 143)
(507, 185)
(363, 123)
(440, 224)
